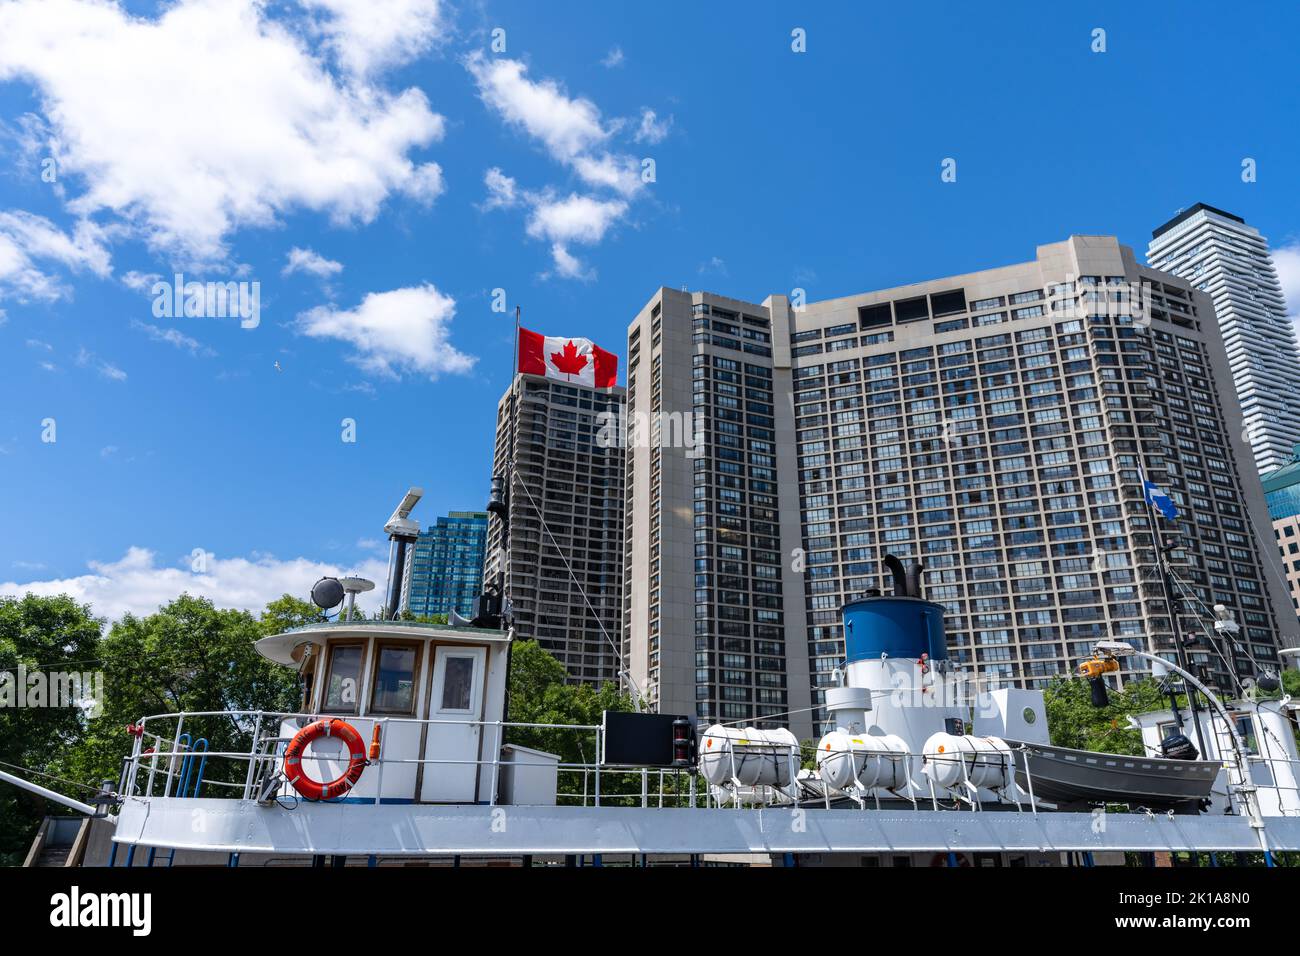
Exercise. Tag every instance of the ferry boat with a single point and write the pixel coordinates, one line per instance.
(403, 750)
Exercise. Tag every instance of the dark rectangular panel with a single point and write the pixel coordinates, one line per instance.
(874, 316)
(948, 303)
(910, 310)
(638, 740)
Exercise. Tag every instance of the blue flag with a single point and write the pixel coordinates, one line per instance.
(1158, 498)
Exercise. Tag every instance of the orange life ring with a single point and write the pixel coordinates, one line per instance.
(326, 727)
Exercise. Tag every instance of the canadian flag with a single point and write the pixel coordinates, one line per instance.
(576, 361)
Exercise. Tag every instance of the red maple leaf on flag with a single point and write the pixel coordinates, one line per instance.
(568, 360)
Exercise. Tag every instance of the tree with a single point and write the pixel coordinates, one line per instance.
(539, 694)
(47, 636)
(409, 615)
(188, 656)
(1074, 722)
(288, 612)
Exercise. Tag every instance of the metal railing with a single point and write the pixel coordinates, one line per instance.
(162, 761)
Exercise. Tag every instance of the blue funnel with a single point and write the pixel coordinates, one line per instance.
(894, 626)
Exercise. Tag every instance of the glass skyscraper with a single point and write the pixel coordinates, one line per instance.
(447, 566)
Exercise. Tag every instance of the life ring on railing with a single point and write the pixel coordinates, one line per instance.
(326, 727)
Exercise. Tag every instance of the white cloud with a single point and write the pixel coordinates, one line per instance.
(569, 266)
(171, 336)
(88, 359)
(213, 117)
(140, 281)
(369, 35)
(502, 190)
(652, 129)
(425, 184)
(403, 330)
(138, 584)
(574, 134)
(617, 171)
(715, 265)
(568, 127)
(26, 239)
(1287, 261)
(574, 218)
(613, 58)
(311, 262)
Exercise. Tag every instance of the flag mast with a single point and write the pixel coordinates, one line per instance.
(1162, 557)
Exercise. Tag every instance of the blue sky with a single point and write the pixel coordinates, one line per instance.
(416, 169)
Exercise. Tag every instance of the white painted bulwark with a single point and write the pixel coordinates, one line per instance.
(321, 828)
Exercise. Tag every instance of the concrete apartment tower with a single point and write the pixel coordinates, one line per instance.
(563, 566)
(995, 426)
(1228, 260)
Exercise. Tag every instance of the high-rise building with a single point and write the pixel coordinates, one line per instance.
(1228, 260)
(563, 566)
(995, 426)
(446, 571)
(1282, 493)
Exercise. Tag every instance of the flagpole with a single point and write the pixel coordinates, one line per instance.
(1162, 555)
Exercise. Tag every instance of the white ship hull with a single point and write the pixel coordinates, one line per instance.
(240, 826)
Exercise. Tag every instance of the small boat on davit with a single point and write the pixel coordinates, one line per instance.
(1068, 777)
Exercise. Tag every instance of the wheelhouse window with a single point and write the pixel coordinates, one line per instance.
(343, 683)
(394, 691)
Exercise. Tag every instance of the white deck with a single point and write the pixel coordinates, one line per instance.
(419, 830)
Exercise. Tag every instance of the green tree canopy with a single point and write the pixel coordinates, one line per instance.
(188, 656)
(1074, 722)
(540, 695)
(47, 636)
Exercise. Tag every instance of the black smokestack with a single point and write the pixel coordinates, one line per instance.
(914, 580)
(895, 567)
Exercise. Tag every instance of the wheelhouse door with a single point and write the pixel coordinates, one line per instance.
(455, 702)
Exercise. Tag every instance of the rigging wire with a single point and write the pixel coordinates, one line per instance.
(50, 776)
(581, 590)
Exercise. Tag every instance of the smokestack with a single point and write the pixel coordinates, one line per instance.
(900, 578)
(914, 580)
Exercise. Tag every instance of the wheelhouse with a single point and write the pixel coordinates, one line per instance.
(434, 694)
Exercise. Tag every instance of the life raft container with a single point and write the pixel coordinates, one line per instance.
(326, 727)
